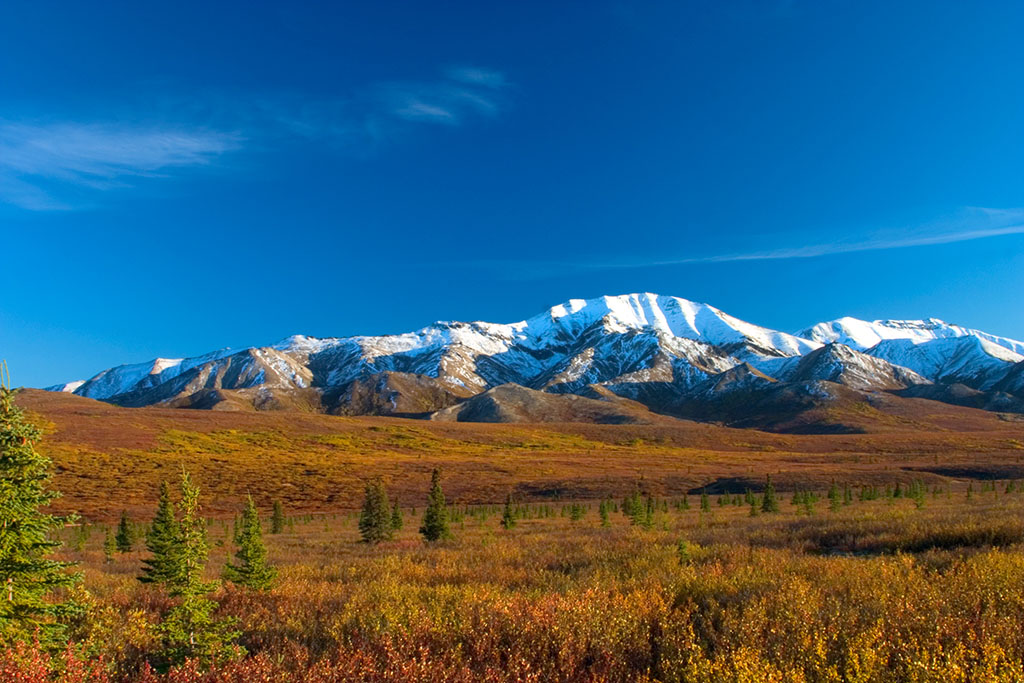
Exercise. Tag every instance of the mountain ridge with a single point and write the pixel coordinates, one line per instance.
(664, 352)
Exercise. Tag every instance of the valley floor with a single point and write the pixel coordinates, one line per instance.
(108, 459)
(877, 590)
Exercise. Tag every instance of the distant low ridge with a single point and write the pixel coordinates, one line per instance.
(634, 358)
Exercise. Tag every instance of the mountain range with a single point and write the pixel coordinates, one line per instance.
(628, 358)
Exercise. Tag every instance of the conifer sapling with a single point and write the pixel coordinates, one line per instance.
(250, 568)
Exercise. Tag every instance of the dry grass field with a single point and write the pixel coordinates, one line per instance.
(883, 589)
(109, 458)
(879, 590)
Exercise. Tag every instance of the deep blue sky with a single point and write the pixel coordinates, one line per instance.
(179, 177)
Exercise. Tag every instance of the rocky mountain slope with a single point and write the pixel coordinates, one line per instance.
(635, 354)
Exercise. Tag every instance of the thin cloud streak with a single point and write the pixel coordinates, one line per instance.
(40, 164)
(981, 223)
(829, 249)
(58, 166)
(464, 91)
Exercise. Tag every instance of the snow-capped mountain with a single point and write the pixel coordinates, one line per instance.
(673, 355)
(934, 349)
(862, 334)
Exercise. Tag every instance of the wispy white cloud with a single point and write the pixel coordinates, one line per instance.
(974, 223)
(41, 164)
(873, 244)
(464, 91)
(477, 76)
(60, 166)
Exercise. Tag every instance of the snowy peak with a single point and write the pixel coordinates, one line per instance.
(862, 334)
(969, 360)
(658, 350)
(840, 364)
(670, 316)
(67, 388)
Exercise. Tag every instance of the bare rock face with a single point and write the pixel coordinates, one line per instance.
(514, 403)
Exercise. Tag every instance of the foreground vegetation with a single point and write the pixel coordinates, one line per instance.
(877, 590)
(879, 575)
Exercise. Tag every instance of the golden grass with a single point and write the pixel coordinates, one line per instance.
(110, 458)
(786, 597)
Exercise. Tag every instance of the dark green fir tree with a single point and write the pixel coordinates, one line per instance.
(250, 568)
(397, 519)
(161, 542)
(189, 630)
(375, 517)
(28, 576)
(277, 518)
(769, 502)
(435, 517)
(124, 539)
(508, 516)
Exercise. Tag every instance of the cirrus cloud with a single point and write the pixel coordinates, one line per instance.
(41, 165)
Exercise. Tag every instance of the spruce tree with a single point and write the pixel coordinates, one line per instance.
(375, 518)
(250, 568)
(833, 497)
(705, 503)
(123, 538)
(683, 551)
(435, 517)
(277, 518)
(189, 630)
(808, 503)
(769, 503)
(397, 520)
(602, 510)
(109, 547)
(508, 517)
(576, 511)
(27, 575)
(161, 541)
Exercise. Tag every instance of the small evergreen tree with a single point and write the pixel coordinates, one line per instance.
(397, 520)
(769, 503)
(808, 503)
(705, 503)
(250, 568)
(602, 510)
(683, 551)
(508, 517)
(277, 518)
(124, 537)
(109, 547)
(375, 518)
(631, 505)
(576, 511)
(161, 541)
(833, 498)
(81, 536)
(435, 517)
(647, 521)
(27, 575)
(189, 630)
